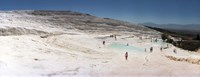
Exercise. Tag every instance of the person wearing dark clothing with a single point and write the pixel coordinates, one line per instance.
(161, 48)
(127, 44)
(151, 49)
(104, 42)
(175, 51)
(126, 55)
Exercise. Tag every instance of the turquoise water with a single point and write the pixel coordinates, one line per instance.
(124, 47)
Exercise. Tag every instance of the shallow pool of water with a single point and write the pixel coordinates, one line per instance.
(160, 42)
(124, 47)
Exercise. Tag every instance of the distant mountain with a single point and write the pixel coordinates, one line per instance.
(178, 28)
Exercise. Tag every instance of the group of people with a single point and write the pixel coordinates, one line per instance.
(161, 49)
(115, 36)
(151, 48)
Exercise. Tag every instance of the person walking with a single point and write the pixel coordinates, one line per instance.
(126, 55)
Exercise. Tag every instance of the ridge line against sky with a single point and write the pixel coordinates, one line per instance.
(135, 11)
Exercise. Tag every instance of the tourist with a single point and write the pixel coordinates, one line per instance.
(115, 37)
(127, 44)
(151, 49)
(104, 42)
(161, 48)
(156, 40)
(175, 51)
(126, 55)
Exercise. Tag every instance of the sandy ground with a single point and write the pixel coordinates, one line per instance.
(83, 55)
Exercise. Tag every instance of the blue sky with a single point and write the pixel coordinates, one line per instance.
(135, 11)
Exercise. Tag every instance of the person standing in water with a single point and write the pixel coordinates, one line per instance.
(126, 55)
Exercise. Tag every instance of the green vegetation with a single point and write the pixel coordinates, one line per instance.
(185, 42)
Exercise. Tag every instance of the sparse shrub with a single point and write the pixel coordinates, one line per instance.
(45, 36)
(164, 36)
(170, 40)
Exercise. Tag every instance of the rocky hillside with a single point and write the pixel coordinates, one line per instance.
(41, 22)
